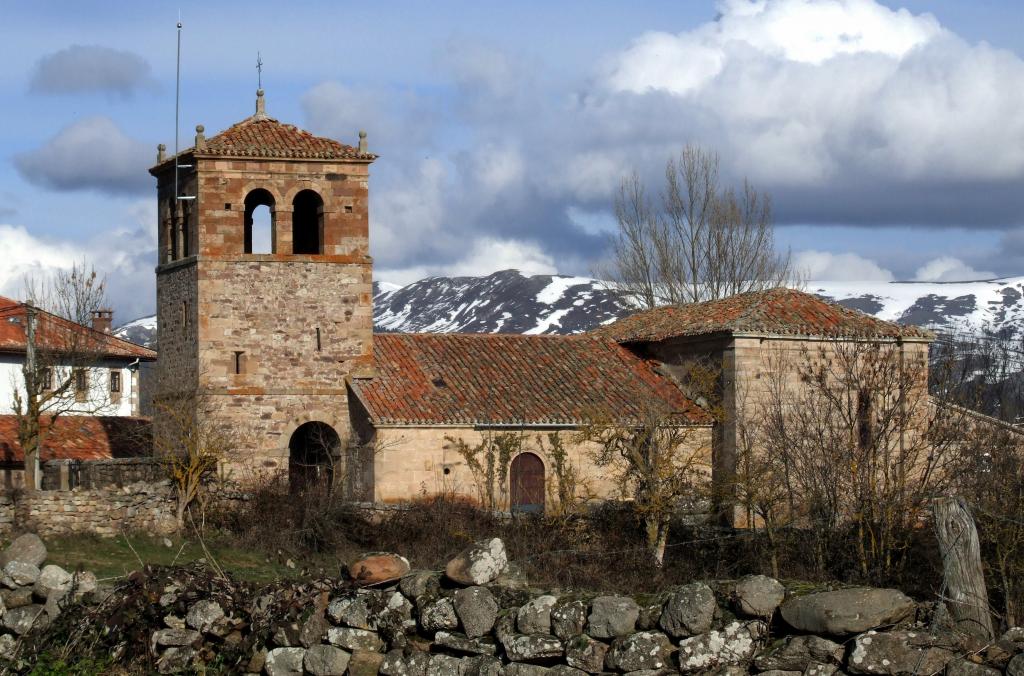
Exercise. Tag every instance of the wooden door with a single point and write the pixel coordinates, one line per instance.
(526, 480)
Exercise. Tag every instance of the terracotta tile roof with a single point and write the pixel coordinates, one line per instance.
(54, 332)
(261, 136)
(774, 312)
(513, 379)
(82, 437)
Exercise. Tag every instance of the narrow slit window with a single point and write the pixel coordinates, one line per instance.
(318, 344)
(238, 362)
(115, 382)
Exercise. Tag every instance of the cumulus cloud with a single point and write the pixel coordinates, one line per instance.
(486, 255)
(125, 255)
(950, 269)
(841, 267)
(91, 68)
(90, 154)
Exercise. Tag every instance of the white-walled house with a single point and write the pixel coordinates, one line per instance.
(106, 383)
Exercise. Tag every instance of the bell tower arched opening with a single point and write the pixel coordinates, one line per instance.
(307, 223)
(312, 450)
(259, 222)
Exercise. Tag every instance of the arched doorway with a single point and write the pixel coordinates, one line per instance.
(312, 450)
(526, 480)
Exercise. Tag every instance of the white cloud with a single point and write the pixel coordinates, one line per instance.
(90, 154)
(950, 269)
(91, 68)
(486, 255)
(841, 267)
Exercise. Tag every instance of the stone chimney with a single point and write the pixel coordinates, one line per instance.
(102, 320)
(161, 153)
(362, 142)
(261, 106)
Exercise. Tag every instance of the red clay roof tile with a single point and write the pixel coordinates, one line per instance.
(778, 311)
(425, 379)
(81, 437)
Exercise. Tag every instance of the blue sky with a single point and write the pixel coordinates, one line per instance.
(888, 133)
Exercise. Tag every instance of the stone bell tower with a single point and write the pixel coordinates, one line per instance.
(262, 332)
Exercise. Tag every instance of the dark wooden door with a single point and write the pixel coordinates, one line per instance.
(526, 479)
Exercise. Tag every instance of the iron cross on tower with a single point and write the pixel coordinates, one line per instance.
(259, 71)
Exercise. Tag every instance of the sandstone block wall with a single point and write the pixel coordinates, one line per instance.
(106, 512)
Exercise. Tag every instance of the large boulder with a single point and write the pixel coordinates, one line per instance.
(689, 611)
(377, 567)
(535, 616)
(568, 618)
(284, 662)
(476, 609)
(900, 652)
(586, 654)
(797, 653)
(325, 660)
(641, 651)
(733, 645)
(479, 563)
(53, 581)
(27, 548)
(847, 611)
(612, 616)
(759, 595)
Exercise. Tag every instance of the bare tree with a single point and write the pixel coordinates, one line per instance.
(60, 351)
(698, 242)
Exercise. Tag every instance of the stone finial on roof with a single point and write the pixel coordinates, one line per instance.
(200, 137)
(362, 141)
(261, 105)
(161, 153)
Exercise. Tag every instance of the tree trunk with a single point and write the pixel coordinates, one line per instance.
(961, 561)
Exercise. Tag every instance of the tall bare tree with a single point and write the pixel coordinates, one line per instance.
(698, 241)
(60, 351)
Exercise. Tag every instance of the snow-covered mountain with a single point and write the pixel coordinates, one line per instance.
(510, 302)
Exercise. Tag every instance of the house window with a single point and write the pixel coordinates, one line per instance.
(115, 381)
(865, 420)
(81, 384)
(45, 380)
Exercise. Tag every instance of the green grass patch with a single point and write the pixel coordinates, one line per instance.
(114, 557)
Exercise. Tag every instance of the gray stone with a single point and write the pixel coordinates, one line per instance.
(847, 611)
(439, 615)
(482, 665)
(643, 650)
(402, 663)
(479, 563)
(650, 612)
(734, 644)
(1016, 666)
(175, 660)
(420, 583)
(585, 653)
(965, 667)
(900, 652)
(568, 618)
(314, 629)
(364, 663)
(203, 614)
(7, 646)
(759, 595)
(779, 672)
(533, 648)
(325, 660)
(354, 639)
(819, 669)
(84, 582)
(21, 574)
(565, 670)
(284, 662)
(795, 653)
(518, 669)
(463, 644)
(16, 598)
(52, 580)
(689, 610)
(27, 548)
(20, 620)
(287, 634)
(444, 665)
(534, 617)
(612, 616)
(350, 611)
(1013, 635)
(164, 638)
(476, 609)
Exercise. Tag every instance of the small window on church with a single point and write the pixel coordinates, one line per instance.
(348, 208)
(318, 344)
(259, 222)
(239, 362)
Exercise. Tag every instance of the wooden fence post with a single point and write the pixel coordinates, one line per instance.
(961, 563)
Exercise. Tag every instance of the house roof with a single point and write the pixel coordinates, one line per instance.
(81, 437)
(773, 312)
(435, 379)
(56, 333)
